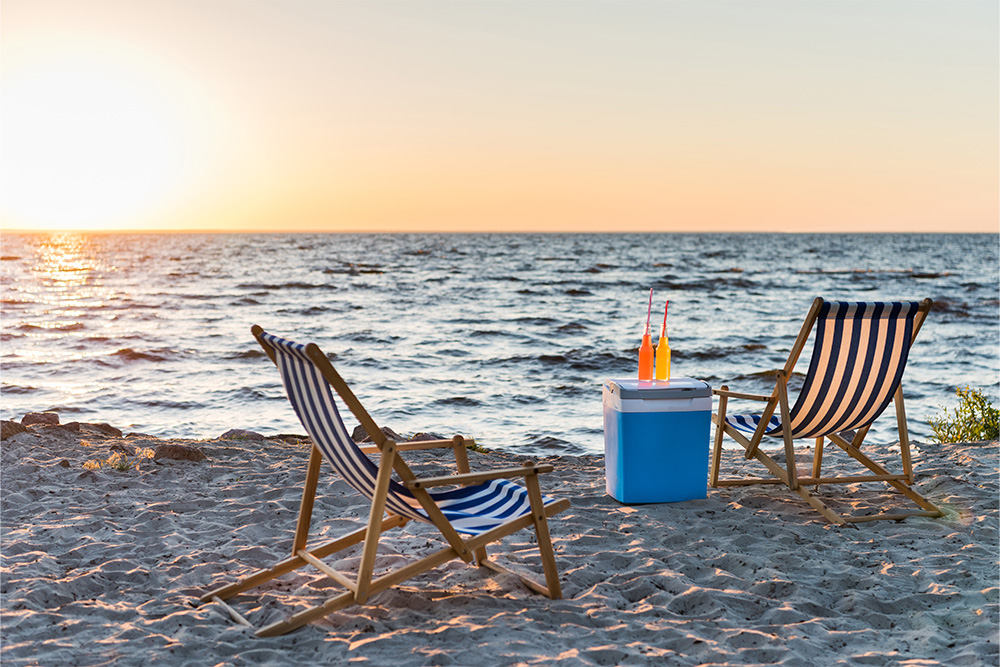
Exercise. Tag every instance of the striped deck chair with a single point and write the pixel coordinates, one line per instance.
(859, 354)
(485, 508)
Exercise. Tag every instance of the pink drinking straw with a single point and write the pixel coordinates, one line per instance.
(663, 332)
(649, 310)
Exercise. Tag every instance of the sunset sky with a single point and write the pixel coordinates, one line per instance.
(514, 115)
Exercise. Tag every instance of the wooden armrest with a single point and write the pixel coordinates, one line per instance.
(736, 394)
(409, 446)
(476, 477)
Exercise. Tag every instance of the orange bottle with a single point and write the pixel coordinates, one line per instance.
(646, 358)
(663, 350)
(646, 348)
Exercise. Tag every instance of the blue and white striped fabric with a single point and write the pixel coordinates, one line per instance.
(857, 363)
(471, 509)
(749, 423)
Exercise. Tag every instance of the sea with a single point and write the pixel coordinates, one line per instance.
(507, 338)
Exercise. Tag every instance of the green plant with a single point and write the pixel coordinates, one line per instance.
(120, 462)
(475, 447)
(975, 418)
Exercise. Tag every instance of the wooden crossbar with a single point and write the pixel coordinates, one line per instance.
(339, 577)
(233, 614)
(752, 481)
(888, 517)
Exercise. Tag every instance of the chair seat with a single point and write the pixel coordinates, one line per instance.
(749, 423)
(477, 509)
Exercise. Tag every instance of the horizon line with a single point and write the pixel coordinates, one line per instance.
(459, 232)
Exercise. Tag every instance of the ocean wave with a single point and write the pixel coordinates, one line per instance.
(715, 353)
(294, 285)
(452, 352)
(550, 442)
(252, 353)
(952, 307)
(495, 333)
(163, 404)
(542, 321)
(51, 327)
(519, 399)
(574, 389)
(909, 273)
(583, 360)
(709, 284)
(67, 410)
(355, 270)
(600, 268)
(244, 395)
(316, 310)
(369, 337)
(129, 355)
(458, 401)
(17, 389)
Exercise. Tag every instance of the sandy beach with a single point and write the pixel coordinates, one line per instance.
(102, 567)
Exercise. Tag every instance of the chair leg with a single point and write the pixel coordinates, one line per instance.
(818, 458)
(904, 435)
(461, 455)
(374, 524)
(308, 497)
(542, 535)
(720, 420)
(481, 556)
(786, 429)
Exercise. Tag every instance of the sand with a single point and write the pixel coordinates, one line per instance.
(104, 567)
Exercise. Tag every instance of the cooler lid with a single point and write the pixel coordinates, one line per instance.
(656, 389)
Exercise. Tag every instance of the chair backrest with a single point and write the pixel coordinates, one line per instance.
(857, 363)
(309, 393)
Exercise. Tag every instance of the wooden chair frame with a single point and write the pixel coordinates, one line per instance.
(364, 584)
(849, 442)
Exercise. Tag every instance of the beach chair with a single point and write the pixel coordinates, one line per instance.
(483, 508)
(859, 353)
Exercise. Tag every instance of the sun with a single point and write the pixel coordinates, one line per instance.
(88, 142)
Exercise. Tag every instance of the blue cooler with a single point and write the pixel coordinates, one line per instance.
(656, 439)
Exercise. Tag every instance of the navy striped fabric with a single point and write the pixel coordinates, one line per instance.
(470, 509)
(857, 363)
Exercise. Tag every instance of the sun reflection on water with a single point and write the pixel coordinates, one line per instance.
(61, 287)
(66, 261)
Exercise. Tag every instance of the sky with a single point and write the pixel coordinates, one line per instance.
(500, 115)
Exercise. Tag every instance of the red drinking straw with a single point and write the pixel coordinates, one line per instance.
(663, 331)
